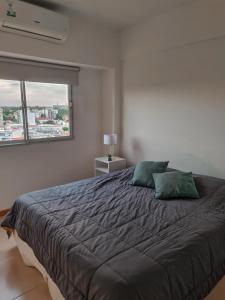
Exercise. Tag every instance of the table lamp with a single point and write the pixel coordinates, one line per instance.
(110, 140)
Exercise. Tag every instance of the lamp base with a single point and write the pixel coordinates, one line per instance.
(109, 157)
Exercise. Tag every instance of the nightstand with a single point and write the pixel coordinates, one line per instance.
(103, 166)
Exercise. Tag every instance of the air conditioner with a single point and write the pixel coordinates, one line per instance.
(19, 17)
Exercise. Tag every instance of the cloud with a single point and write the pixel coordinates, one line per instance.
(37, 94)
(46, 94)
(10, 93)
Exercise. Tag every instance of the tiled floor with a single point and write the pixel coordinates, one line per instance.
(16, 280)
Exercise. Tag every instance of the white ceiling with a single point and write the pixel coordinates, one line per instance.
(115, 13)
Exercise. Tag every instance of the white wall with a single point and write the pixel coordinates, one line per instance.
(88, 44)
(174, 88)
(30, 167)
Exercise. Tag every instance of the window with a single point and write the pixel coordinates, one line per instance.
(34, 111)
(11, 114)
(48, 110)
(35, 100)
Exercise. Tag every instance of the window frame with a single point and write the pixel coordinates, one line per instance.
(27, 140)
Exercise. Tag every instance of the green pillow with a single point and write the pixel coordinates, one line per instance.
(172, 185)
(144, 170)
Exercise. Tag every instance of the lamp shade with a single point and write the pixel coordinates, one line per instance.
(110, 139)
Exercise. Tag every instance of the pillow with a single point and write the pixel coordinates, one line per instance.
(175, 185)
(144, 170)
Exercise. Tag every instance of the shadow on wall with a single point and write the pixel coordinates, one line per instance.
(137, 151)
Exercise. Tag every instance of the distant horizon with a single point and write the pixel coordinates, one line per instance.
(38, 106)
(37, 94)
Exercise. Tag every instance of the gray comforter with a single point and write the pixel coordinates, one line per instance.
(104, 239)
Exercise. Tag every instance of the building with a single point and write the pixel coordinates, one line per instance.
(20, 116)
(52, 113)
(1, 117)
(31, 118)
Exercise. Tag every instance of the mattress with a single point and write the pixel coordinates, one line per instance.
(104, 239)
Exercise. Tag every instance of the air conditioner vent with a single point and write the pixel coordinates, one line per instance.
(33, 21)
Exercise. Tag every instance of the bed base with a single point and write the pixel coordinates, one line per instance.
(30, 260)
(218, 293)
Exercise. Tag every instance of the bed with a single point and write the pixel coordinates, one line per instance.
(104, 239)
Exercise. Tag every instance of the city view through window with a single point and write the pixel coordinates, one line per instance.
(47, 111)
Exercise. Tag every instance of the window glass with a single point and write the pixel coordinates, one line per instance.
(11, 115)
(48, 110)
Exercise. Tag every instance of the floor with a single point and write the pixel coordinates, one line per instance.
(16, 280)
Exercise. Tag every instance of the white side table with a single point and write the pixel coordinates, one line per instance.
(103, 166)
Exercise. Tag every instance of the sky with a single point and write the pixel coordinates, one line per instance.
(38, 94)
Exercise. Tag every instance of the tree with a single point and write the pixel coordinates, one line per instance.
(61, 113)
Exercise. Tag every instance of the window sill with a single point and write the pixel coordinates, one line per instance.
(37, 141)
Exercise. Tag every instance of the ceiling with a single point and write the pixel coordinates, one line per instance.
(115, 13)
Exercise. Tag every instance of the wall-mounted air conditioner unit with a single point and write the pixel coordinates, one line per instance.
(22, 18)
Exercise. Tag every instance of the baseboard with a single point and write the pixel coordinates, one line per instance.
(4, 212)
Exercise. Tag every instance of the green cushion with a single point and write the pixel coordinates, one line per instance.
(175, 185)
(144, 170)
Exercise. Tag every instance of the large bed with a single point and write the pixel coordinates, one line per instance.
(104, 239)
